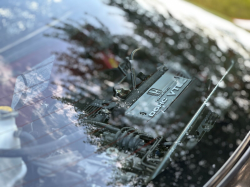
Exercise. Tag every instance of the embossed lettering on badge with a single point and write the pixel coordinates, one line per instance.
(154, 91)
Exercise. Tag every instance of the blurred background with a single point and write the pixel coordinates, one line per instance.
(228, 9)
(234, 11)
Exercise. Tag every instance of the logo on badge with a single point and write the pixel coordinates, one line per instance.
(154, 92)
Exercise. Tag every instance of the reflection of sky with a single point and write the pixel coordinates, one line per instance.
(109, 16)
(18, 19)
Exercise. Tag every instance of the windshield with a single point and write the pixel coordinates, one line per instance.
(85, 112)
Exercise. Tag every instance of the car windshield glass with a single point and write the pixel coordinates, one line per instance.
(97, 93)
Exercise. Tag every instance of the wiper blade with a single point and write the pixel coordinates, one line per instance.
(169, 153)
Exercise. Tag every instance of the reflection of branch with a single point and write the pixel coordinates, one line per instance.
(165, 40)
(78, 92)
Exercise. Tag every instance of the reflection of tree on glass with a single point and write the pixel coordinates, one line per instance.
(164, 41)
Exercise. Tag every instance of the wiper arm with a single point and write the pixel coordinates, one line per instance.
(180, 138)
